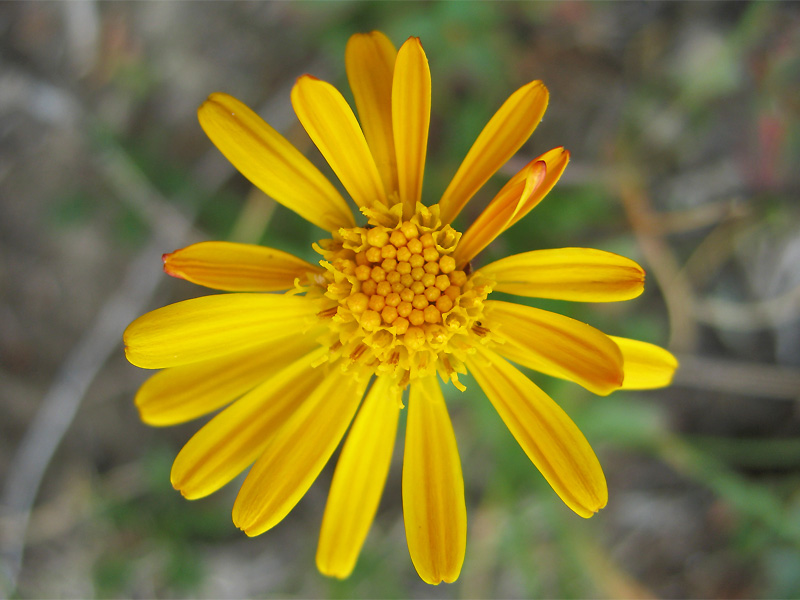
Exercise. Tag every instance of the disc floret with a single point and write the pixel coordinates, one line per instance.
(396, 300)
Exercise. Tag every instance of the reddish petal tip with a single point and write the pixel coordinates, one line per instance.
(167, 268)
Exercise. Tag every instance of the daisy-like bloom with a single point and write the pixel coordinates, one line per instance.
(301, 352)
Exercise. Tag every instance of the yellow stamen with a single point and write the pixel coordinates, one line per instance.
(401, 307)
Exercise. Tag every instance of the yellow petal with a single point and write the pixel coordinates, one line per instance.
(212, 326)
(271, 163)
(507, 130)
(237, 267)
(556, 160)
(547, 435)
(434, 511)
(359, 479)
(578, 274)
(331, 124)
(184, 393)
(369, 58)
(647, 366)
(496, 218)
(411, 116)
(232, 440)
(297, 453)
(517, 198)
(556, 345)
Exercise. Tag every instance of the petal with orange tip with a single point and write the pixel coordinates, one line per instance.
(237, 267)
(504, 134)
(556, 345)
(575, 274)
(496, 218)
(331, 124)
(518, 197)
(369, 59)
(646, 365)
(544, 431)
(556, 161)
(411, 116)
(271, 163)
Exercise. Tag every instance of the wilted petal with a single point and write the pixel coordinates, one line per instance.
(496, 218)
(517, 198)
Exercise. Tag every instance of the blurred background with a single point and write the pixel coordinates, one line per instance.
(682, 122)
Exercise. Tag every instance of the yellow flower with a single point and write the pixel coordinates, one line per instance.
(391, 304)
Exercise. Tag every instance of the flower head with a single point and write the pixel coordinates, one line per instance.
(302, 352)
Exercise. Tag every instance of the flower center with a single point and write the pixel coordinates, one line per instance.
(396, 301)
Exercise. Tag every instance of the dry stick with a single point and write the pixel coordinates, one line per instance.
(713, 213)
(664, 267)
(717, 247)
(770, 313)
(686, 310)
(738, 377)
(61, 403)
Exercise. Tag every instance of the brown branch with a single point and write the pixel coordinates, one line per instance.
(663, 265)
(738, 377)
